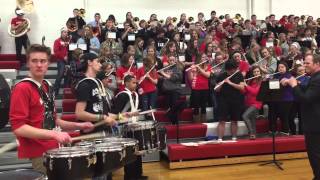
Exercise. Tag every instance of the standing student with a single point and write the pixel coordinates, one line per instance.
(128, 101)
(32, 111)
(230, 99)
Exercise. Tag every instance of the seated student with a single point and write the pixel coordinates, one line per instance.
(230, 99)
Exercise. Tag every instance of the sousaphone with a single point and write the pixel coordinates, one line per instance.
(21, 30)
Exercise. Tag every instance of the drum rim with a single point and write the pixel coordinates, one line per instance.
(74, 151)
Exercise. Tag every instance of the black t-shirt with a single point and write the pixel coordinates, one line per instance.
(227, 92)
(120, 102)
(88, 91)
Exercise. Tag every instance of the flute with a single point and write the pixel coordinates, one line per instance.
(259, 61)
(107, 75)
(188, 69)
(268, 75)
(301, 75)
(130, 67)
(222, 82)
(217, 65)
(248, 79)
(166, 67)
(144, 76)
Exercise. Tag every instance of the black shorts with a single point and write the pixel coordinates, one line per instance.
(229, 110)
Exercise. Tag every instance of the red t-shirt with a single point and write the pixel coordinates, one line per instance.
(15, 21)
(26, 108)
(120, 73)
(165, 59)
(200, 82)
(243, 66)
(60, 49)
(146, 85)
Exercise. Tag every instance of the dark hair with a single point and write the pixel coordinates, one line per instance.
(128, 78)
(285, 64)
(75, 9)
(213, 12)
(231, 64)
(85, 58)
(97, 14)
(38, 48)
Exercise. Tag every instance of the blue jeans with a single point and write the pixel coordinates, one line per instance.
(61, 66)
(149, 99)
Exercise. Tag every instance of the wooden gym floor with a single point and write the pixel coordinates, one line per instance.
(298, 169)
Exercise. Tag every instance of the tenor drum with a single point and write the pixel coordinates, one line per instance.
(150, 136)
(110, 157)
(130, 145)
(70, 163)
(22, 174)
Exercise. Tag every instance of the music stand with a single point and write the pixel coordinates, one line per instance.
(271, 96)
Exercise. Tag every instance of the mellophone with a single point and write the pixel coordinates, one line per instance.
(94, 157)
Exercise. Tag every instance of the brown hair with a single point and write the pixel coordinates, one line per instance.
(38, 48)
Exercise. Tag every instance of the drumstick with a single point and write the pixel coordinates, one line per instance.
(222, 82)
(166, 67)
(8, 147)
(147, 111)
(188, 69)
(101, 134)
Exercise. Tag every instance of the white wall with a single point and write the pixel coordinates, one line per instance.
(50, 16)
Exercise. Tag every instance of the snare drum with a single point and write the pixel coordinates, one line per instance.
(149, 135)
(130, 145)
(70, 163)
(22, 174)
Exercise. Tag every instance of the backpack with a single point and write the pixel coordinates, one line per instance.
(5, 93)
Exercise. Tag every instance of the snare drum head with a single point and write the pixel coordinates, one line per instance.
(75, 151)
(124, 141)
(22, 174)
(109, 147)
(85, 144)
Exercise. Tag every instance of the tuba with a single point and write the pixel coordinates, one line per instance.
(21, 30)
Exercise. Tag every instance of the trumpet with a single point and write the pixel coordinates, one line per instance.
(190, 19)
(174, 19)
(136, 19)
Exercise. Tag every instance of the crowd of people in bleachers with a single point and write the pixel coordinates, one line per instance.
(215, 58)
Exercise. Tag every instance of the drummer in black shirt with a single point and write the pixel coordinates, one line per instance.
(127, 101)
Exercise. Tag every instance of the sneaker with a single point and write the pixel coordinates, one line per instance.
(220, 140)
(234, 138)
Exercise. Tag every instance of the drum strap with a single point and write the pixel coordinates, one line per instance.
(132, 104)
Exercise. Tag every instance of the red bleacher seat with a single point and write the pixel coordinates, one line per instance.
(68, 105)
(10, 65)
(67, 94)
(8, 57)
(242, 147)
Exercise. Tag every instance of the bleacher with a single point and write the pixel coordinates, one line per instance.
(178, 155)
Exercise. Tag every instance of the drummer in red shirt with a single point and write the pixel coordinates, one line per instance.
(199, 75)
(148, 79)
(32, 112)
(127, 67)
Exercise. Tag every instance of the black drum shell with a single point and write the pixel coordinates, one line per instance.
(22, 174)
(60, 168)
(112, 160)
